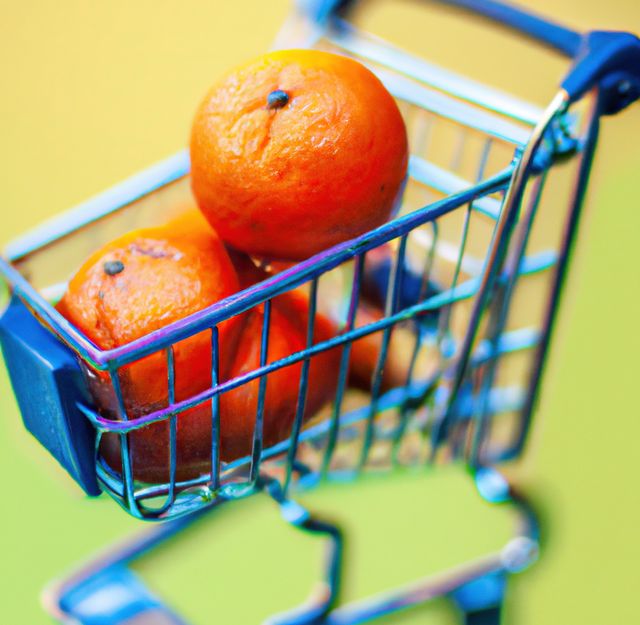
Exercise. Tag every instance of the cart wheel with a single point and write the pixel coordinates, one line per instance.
(480, 600)
(488, 616)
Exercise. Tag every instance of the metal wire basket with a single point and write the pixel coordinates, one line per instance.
(470, 273)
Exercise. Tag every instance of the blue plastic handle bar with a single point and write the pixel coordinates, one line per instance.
(541, 29)
(558, 37)
(606, 58)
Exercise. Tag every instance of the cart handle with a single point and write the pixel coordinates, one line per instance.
(609, 59)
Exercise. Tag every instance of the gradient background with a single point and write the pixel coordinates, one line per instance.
(94, 91)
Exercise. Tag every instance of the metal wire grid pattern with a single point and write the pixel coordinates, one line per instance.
(442, 235)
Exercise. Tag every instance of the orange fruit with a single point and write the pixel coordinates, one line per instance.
(297, 151)
(142, 282)
(149, 278)
(287, 335)
(366, 350)
(288, 327)
(132, 286)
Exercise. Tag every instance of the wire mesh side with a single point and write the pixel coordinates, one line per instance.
(422, 278)
(311, 448)
(403, 295)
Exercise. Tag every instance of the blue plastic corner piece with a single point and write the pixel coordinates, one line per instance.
(48, 385)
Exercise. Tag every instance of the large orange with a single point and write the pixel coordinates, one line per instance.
(296, 151)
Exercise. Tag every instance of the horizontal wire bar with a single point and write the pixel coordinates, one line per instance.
(448, 108)
(517, 340)
(107, 202)
(285, 280)
(522, 339)
(535, 264)
(366, 45)
(442, 180)
(420, 170)
(242, 301)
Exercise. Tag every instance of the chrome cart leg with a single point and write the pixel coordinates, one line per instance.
(105, 591)
(325, 596)
(477, 588)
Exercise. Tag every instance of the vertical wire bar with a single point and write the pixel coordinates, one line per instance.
(344, 366)
(568, 240)
(484, 158)
(456, 159)
(173, 423)
(262, 389)
(422, 133)
(497, 250)
(303, 386)
(393, 292)
(125, 455)
(445, 318)
(496, 328)
(480, 172)
(446, 313)
(440, 427)
(405, 412)
(215, 410)
(173, 432)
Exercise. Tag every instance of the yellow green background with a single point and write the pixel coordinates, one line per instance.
(94, 91)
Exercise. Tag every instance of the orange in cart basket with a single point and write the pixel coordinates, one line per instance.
(297, 151)
(365, 352)
(152, 277)
(287, 335)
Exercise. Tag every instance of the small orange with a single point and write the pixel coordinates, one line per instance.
(146, 279)
(143, 281)
(366, 351)
(287, 335)
(296, 151)
(288, 325)
(134, 285)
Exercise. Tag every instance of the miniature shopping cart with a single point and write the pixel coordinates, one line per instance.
(471, 269)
